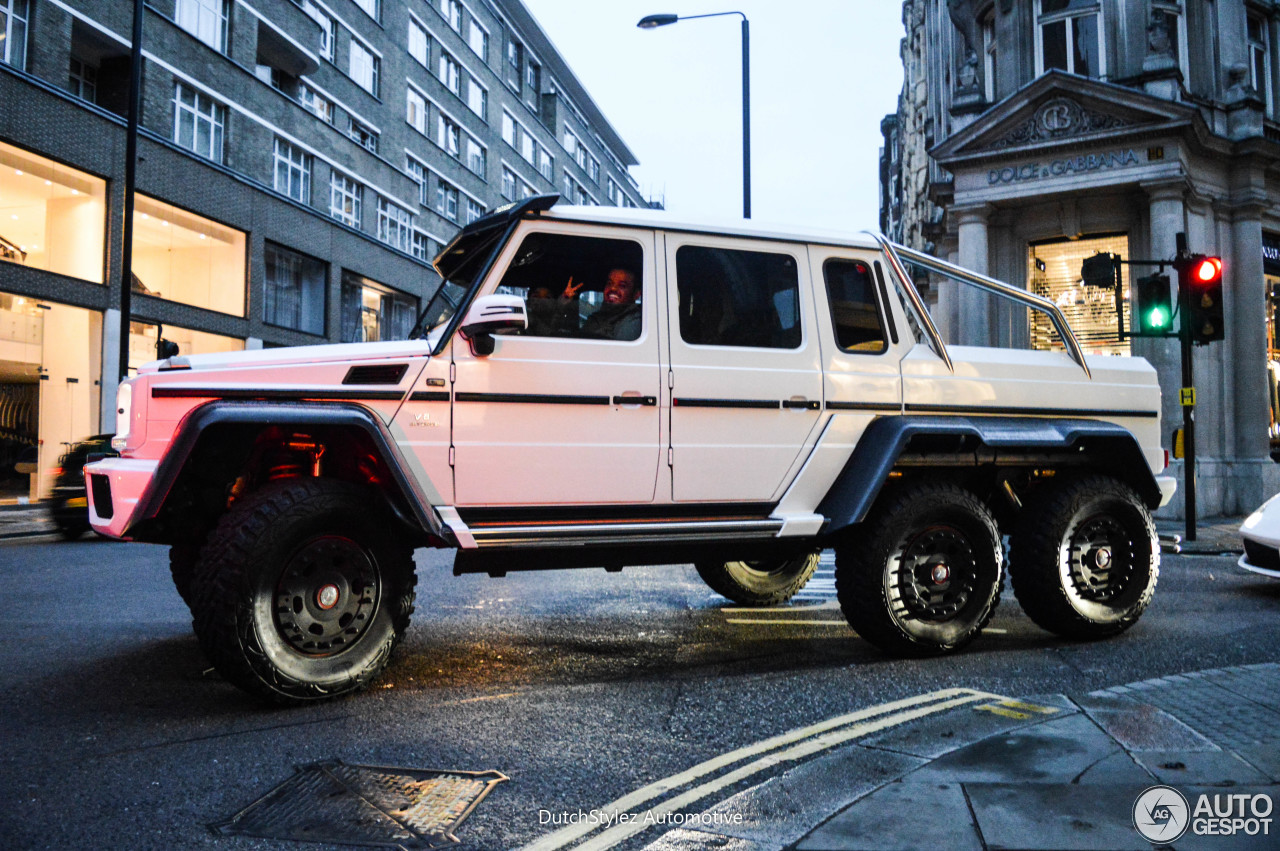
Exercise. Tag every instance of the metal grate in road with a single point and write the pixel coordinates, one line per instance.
(365, 805)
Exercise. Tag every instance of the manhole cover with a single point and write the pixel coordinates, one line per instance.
(365, 805)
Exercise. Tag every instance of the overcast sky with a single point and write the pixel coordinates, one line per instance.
(823, 75)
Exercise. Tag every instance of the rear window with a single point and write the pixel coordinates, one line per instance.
(855, 314)
(730, 297)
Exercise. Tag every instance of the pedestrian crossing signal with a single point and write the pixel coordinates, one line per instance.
(1152, 309)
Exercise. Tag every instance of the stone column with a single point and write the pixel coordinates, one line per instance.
(1167, 217)
(973, 322)
(1245, 305)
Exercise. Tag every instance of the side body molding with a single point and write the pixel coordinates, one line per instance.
(883, 443)
(304, 414)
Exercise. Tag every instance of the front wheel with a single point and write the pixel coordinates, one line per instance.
(302, 591)
(921, 575)
(764, 582)
(1085, 557)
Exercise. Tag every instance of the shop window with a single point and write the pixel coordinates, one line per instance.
(1069, 37)
(372, 311)
(143, 337)
(14, 15)
(294, 294)
(186, 258)
(1054, 272)
(51, 217)
(730, 297)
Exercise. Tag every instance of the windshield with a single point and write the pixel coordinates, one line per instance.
(460, 264)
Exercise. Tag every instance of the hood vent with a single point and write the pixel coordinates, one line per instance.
(389, 373)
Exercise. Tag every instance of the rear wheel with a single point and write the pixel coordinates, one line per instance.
(1085, 557)
(763, 582)
(303, 590)
(921, 575)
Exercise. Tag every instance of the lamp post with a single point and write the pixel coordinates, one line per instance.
(651, 21)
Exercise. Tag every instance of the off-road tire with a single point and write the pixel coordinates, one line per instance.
(921, 538)
(183, 556)
(766, 582)
(1055, 551)
(272, 565)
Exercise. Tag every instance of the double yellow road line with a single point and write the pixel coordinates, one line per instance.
(705, 779)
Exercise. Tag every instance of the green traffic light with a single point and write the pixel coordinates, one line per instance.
(1157, 318)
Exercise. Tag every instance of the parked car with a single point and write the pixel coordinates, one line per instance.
(69, 504)
(1261, 533)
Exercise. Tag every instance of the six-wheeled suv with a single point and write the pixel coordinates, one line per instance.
(597, 387)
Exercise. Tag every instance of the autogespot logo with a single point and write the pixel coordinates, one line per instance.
(1161, 814)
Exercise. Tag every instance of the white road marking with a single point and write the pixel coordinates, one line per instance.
(787, 621)
(787, 747)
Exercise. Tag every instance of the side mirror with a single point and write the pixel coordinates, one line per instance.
(489, 315)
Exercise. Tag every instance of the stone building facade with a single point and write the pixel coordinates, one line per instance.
(300, 163)
(1033, 133)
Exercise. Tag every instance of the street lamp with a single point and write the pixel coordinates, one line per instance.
(661, 20)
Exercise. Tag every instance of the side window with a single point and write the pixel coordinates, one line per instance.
(738, 298)
(578, 286)
(854, 311)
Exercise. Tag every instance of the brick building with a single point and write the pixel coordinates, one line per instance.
(300, 163)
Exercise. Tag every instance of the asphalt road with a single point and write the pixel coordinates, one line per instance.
(579, 686)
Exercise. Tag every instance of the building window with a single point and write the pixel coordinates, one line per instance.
(448, 136)
(370, 7)
(421, 246)
(515, 63)
(989, 56)
(363, 136)
(477, 98)
(316, 103)
(593, 169)
(363, 68)
(533, 84)
(328, 28)
(372, 312)
(611, 190)
(394, 224)
(83, 80)
(418, 172)
(14, 15)
(526, 191)
(546, 165)
(508, 184)
(477, 157)
(416, 113)
(450, 74)
(1167, 14)
(54, 216)
(1070, 38)
(447, 201)
(474, 210)
(293, 171)
(527, 147)
(294, 293)
(452, 12)
(478, 38)
(418, 48)
(1259, 58)
(508, 129)
(198, 121)
(344, 199)
(187, 258)
(204, 19)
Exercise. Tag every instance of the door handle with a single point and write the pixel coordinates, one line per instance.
(631, 397)
(801, 404)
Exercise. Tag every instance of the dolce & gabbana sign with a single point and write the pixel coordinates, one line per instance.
(1080, 164)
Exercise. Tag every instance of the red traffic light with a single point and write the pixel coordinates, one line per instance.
(1206, 270)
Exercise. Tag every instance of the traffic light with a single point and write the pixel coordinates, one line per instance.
(1099, 270)
(1152, 309)
(1201, 279)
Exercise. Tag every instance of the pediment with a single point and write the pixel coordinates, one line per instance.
(1061, 108)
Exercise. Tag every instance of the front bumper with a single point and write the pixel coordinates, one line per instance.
(1260, 557)
(116, 485)
(1168, 486)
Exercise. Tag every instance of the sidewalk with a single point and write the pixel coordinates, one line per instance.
(25, 521)
(1214, 535)
(1042, 772)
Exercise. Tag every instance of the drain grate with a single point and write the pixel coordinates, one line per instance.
(365, 805)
